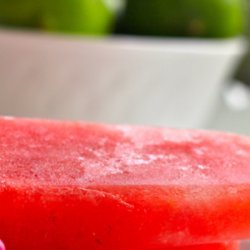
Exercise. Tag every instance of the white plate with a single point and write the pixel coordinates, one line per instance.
(171, 82)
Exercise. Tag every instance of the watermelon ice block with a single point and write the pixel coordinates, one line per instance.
(73, 185)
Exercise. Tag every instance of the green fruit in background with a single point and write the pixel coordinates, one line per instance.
(91, 17)
(19, 12)
(200, 18)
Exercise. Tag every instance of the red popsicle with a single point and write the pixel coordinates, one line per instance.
(81, 186)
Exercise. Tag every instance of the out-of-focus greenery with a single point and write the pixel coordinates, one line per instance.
(195, 18)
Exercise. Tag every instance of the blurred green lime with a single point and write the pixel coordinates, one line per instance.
(91, 17)
(19, 12)
(199, 18)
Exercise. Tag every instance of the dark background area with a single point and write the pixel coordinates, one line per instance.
(243, 72)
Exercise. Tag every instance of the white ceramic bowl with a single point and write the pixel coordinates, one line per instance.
(171, 82)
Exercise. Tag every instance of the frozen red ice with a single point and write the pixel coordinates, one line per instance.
(69, 185)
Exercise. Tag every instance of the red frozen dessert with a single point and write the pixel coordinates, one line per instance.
(74, 186)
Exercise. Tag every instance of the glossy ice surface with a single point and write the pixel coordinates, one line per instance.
(73, 185)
